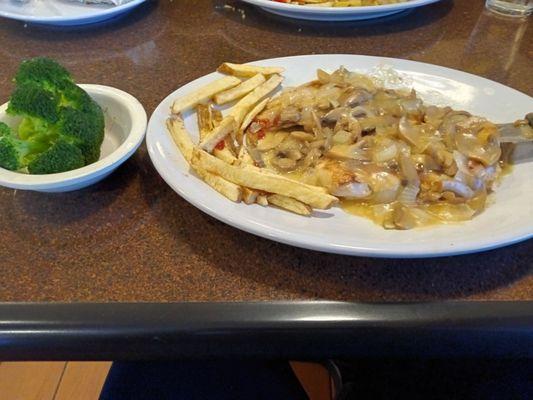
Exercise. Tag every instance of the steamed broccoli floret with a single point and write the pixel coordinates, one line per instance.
(60, 157)
(84, 129)
(16, 154)
(44, 72)
(57, 114)
(31, 100)
(5, 130)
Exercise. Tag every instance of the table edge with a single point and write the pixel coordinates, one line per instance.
(293, 330)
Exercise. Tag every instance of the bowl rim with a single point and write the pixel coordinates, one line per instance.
(138, 117)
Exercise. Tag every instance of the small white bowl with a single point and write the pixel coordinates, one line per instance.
(125, 126)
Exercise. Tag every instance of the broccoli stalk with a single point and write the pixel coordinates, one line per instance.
(60, 121)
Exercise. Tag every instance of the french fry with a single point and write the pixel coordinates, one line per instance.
(248, 70)
(289, 204)
(240, 90)
(217, 116)
(243, 106)
(249, 196)
(208, 118)
(262, 200)
(245, 157)
(204, 93)
(204, 117)
(226, 126)
(279, 200)
(253, 113)
(221, 185)
(181, 137)
(255, 178)
(225, 154)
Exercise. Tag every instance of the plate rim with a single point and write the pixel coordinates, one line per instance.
(294, 239)
(93, 14)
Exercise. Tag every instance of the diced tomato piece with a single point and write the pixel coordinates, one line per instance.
(220, 145)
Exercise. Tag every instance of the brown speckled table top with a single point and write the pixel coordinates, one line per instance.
(131, 238)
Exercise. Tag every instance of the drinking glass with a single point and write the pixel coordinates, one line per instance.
(513, 8)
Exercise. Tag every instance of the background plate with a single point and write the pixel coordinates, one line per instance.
(335, 13)
(508, 219)
(62, 12)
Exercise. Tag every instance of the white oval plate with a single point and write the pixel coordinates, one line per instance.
(125, 125)
(336, 13)
(508, 220)
(62, 12)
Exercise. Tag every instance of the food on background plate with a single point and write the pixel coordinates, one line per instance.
(60, 126)
(340, 3)
(383, 153)
(112, 2)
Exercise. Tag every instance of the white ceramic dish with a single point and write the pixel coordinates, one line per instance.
(62, 12)
(125, 121)
(507, 220)
(335, 13)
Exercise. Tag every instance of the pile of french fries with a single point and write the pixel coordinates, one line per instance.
(221, 158)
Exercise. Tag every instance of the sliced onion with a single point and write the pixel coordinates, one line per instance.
(348, 152)
(408, 195)
(451, 212)
(478, 202)
(403, 218)
(459, 188)
(387, 151)
(323, 76)
(408, 168)
(472, 139)
(385, 187)
(409, 132)
(411, 105)
(301, 135)
(427, 162)
(343, 137)
(271, 140)
(353, 190)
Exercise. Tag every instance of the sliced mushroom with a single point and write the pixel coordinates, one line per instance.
(283, 163)
(294, 154)
(354, 97)
(336, 114)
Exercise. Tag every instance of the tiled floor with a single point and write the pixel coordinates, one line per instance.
(84, 380)
(52, 380)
